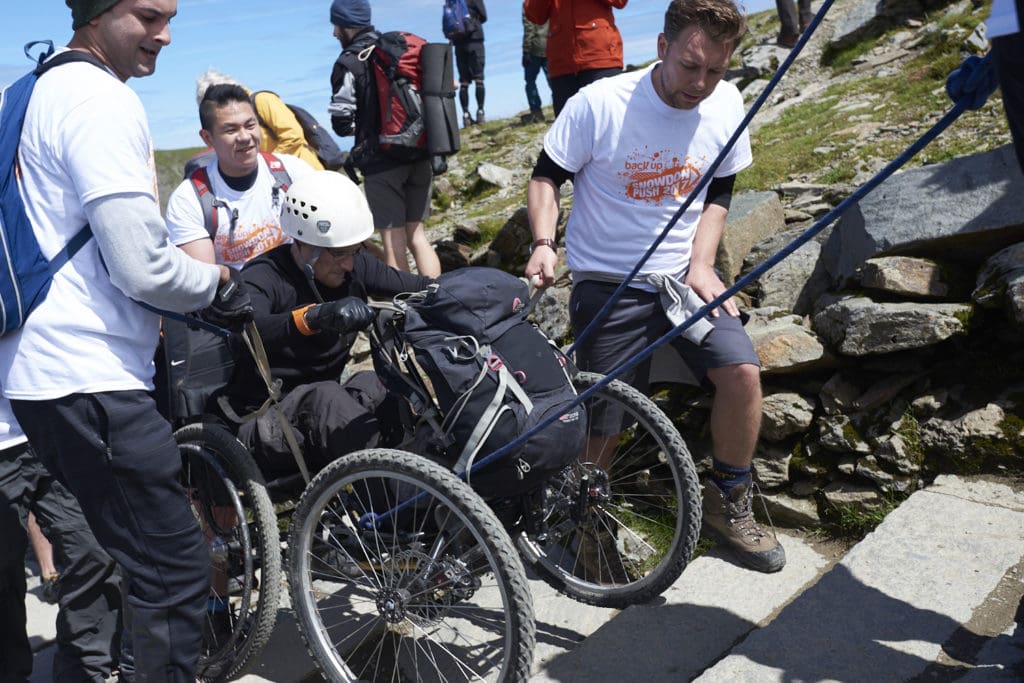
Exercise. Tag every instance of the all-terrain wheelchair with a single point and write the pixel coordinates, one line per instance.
(398, 569)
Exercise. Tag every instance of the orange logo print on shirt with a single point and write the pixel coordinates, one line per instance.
(653, 178)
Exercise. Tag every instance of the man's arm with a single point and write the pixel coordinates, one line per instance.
(344, 105)
(140, 259)
(701, 274)
(542, 196)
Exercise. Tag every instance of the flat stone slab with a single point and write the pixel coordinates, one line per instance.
(884, 612)
(714, 604)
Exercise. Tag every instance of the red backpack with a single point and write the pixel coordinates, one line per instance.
(395, 63)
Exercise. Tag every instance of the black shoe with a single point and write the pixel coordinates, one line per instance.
(467, 120)
(479, 115)
(787, 40)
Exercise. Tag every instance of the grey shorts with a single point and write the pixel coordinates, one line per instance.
(400, 195)
(636, 321)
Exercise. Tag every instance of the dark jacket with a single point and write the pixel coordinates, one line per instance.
(353, 105)
(277, 287)
(581, 34)
(479, 12)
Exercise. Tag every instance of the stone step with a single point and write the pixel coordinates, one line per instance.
(939, 579)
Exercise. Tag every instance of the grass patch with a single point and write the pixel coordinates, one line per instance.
(849, 522)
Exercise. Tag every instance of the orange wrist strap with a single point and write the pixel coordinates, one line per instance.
(299, 317)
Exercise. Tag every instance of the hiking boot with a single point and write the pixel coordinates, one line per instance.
(732, 520)
(597, 554)
(479, 115)
(467, 121)
(787, 40)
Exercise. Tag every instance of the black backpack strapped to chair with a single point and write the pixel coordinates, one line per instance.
(494, 375)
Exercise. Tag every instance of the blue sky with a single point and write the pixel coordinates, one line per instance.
(286, 46)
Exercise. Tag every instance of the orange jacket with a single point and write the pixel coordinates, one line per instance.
(581, 34)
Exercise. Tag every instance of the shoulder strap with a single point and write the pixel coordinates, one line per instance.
(200, 180)
(67, 57)
(281, 178)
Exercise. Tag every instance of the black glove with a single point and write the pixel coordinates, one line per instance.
(344, 315)
(231, 307)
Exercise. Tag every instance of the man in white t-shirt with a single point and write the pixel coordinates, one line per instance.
(635, 146)
(246, 187)
(79, 372)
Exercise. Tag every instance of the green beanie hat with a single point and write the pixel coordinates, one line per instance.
(84, 11)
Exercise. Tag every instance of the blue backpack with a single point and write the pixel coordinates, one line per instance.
(457, 21)
(26, 273)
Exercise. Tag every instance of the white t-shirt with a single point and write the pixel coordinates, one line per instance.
(258, 227)
(10, 431)
(1003, 19)
(85, 137)
(636, 160)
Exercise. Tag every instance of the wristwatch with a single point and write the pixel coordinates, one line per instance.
(544, 242)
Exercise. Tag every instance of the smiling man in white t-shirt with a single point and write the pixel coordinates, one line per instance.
(636, 146)
(79, 372)
(247, 186)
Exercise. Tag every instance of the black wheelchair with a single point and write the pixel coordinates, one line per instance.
(399, 570)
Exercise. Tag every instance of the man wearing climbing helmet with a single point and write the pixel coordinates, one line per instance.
(309, 299)
(636, 146)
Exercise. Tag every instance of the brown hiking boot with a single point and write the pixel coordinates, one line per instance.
(732, 521)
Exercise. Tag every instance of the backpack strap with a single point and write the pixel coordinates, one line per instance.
(200, 180)
(209, 203)
(281, 178)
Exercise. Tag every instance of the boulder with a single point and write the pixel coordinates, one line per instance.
(859, 326)
(785, 413)
(1000, 283)
(785, 344)
(965, 210)
(753, 216)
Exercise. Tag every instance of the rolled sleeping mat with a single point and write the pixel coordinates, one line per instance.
(438, 92)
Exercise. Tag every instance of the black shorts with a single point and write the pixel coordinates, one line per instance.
(400, 195)
(469, 58)
(636, 321)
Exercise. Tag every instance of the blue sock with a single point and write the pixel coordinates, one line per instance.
(728, 477)
(217, 605)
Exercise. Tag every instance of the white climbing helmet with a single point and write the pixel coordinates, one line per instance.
(325, 209)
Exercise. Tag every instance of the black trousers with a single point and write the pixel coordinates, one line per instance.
(88, 593)
(328, 419)
(565, 86)
(118, 457)
(1008, 55)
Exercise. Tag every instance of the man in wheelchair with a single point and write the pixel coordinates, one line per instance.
(309, 300)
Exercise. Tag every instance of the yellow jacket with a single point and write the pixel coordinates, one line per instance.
(281, 132)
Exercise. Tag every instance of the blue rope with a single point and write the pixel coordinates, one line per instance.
(708, 174)
(968, 100)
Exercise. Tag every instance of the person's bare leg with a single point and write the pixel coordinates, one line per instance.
(427, 263)
(41, 547)
(735, 413)
(394, 242)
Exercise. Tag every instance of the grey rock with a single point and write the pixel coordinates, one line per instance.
(902, 275)
(1000, 283)
(862, 496)
(771, 465)
(791, 512)
(923, 212)
(753, 216)
(838, 395)
(839, 434)
(859, 326)
(786, 345)
(793, 283)
(784, 414)
(495, 175)
(895, 451)
(551, 313)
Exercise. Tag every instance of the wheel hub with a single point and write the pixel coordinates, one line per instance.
(391, 603)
